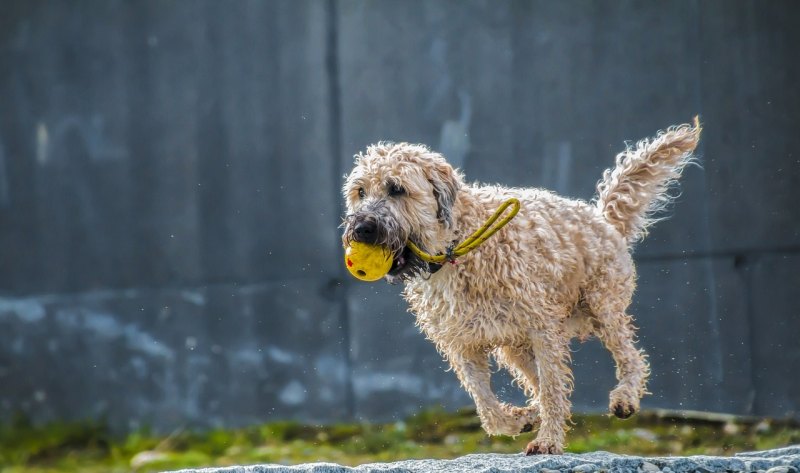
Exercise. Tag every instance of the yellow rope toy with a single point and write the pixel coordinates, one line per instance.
(476, 239)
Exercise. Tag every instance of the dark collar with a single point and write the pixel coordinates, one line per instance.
(433, 267)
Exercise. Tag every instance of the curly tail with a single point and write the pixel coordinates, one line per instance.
(631, 194)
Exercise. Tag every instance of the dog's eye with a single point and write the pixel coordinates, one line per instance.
(395, 190)
(361, 193)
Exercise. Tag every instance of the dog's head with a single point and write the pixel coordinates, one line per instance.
(399, 192)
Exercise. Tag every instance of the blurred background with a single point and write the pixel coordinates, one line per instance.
(169, 197)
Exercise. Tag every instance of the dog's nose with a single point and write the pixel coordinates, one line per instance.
(366, 232)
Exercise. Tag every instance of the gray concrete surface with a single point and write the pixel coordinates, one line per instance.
(169, 195)
(785, 460)
(205, 357)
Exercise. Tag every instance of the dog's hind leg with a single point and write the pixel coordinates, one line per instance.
(497, 418)
(632, 367)
(617, 333)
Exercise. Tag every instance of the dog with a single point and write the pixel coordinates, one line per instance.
(560, 269)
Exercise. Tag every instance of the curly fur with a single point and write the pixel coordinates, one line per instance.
(561, 269)
(636, 189)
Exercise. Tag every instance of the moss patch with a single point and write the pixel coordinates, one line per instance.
(89, 447)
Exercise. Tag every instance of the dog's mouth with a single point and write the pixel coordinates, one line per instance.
(401, 261)
(405, 265)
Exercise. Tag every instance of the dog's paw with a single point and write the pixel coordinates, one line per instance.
(498, 423)
(523, 417)
(623, 403)
(623, 410)
(526, 428)
(544, 446)
(503, 427)
(509, 420)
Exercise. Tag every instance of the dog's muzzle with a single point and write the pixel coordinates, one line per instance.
(364, 227)
(366, 232)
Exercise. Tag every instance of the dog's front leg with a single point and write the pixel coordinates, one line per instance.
(555, 387)
(472, 369)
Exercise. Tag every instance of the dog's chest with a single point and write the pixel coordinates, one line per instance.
(450, 311)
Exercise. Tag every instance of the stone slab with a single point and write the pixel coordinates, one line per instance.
(785, 460)
(775, 332)
(160, 145)
(752, 165)
(220, 356)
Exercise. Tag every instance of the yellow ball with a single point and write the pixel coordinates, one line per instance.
(367, 262)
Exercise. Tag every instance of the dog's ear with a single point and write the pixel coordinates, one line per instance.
(446, 182)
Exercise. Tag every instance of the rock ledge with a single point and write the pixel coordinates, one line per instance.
(783, 460)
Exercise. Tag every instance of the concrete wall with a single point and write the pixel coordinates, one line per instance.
(169, 178)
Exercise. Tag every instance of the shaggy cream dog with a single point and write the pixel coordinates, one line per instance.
(560, 269)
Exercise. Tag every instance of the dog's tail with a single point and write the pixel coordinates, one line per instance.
(631, 194)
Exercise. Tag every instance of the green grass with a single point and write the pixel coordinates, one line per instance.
(89, 447)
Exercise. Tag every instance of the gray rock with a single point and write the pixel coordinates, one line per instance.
(648, 467)
(786, 460)
(778, 452)
(782, 469)
(585, 468)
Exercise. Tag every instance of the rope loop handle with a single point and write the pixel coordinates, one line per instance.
(476, 239)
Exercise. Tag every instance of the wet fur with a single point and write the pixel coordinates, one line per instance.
(561, 269)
